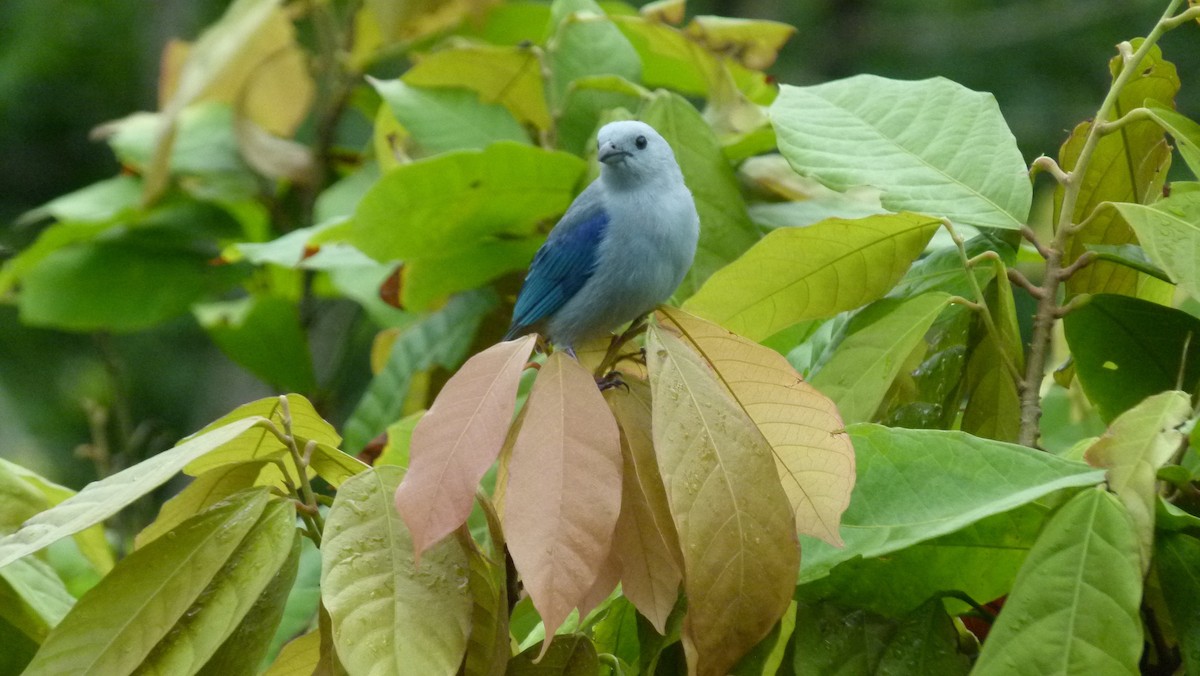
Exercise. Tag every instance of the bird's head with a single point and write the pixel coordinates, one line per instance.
(632, 151)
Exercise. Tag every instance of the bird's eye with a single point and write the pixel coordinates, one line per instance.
(640, 142)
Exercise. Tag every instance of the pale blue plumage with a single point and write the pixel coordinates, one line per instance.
(623, 246)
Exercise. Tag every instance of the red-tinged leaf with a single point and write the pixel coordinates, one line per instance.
(564, 489)
(813, 454)
(646, 542)
(458, 439)
(736, 528)
(602, 588)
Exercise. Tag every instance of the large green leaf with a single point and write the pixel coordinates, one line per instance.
(931, 146)
(123, 620)
(390, 617)
(1175, 557)
(448, 203)
(725, 227)
(794, 274)
(980, 561)
(1169, 232)
(511, 76)
(585, 42)
(1126, 349)
(1183, 129)
(1074, 607)
(101, 499)
(993, 407)
(571, 655)
(441, 119)
(440, 339)
(877, 344)
(122, 284)
(915, 485)
(24, 493)
(1129, 165)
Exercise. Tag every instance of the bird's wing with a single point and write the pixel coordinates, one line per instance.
(563, 264)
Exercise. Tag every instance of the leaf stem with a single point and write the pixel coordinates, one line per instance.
(980, 303)
(307, 496)
(1048, 310)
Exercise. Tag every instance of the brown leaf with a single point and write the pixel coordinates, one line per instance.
(735, 526)
(606, 582)
(813, 454)
(564, 489)
(645, 542)
(458, 439)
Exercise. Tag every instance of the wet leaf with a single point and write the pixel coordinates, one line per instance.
(735, 525)
(1074, 606)
(1170, 236)
(388, 615)
(458, 439)
(812, 452)
(564, 489)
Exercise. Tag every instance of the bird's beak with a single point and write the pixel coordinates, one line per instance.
(611, 154)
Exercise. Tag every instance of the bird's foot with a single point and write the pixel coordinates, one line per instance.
(610, 380)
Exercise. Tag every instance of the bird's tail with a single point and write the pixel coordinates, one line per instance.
(515, 331)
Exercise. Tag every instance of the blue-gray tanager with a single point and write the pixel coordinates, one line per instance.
(622, 248)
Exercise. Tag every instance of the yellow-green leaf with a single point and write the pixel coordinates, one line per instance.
(794, 274)
(511, 76)
(735, 525)
(1137, 443)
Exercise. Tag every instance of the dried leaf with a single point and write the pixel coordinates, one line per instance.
(458, 439)
(564, 489)
(646, 541)
(735, 526)
(813, 454)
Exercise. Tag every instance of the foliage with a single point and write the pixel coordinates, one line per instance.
(715, 511)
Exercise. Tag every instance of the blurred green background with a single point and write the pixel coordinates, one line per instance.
(69, 65)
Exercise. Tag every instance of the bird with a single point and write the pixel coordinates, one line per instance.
(622, 247)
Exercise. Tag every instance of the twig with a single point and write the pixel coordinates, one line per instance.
(1015, 276)
(1048, 165)
(1085, 259)
(1028, 233)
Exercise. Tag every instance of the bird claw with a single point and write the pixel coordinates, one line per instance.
(610, 380)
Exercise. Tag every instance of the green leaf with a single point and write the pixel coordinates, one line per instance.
(571, 655)
(388, 616)
(1074, 607)
(245, 647)
(303, 599)
(585, 42)
(442, 338)
(263, 334)
(993, 407)
(1169, 232)
(980, 560)
(1126, 349)
(445, 119)
(1127, 166)
(915, 485)
(1129, 255)
(101, 499)
(99, 201)
(1183, 129)
(32, 597)
(217, 613)
(794, 274)
(932, 146)
(505, 190)
(150, 591)
(427, 281)
(1175, 557)
(511, 76)
(725, 227)
(877, 344)
(208, 489)
(300, 657)
(123, 284)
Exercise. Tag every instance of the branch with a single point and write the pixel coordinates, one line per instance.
(1048, 165)
(1015, 276)
(1048, 310)
(1085, 259)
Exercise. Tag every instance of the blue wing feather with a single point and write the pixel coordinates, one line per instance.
(563, 264)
